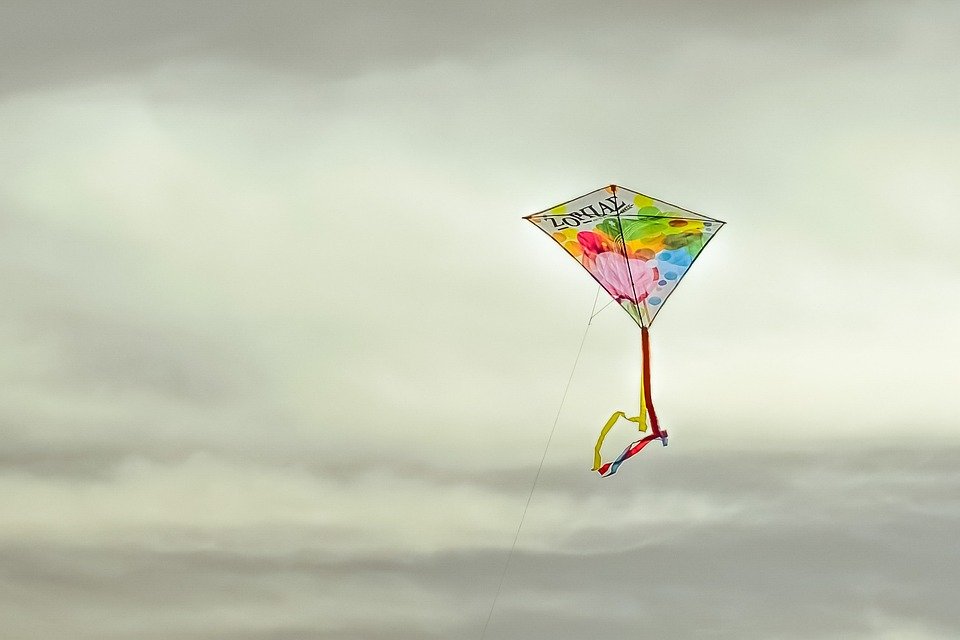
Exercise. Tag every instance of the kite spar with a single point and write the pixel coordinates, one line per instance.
(638, 249)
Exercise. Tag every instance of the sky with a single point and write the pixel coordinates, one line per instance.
(279, 357)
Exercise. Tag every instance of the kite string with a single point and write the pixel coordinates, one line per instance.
(600, 310)
(536, 478)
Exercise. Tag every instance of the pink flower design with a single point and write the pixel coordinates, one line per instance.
(621, 277)
(594, 242)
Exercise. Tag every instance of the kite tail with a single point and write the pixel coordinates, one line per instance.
(645, 384)
(647, 412)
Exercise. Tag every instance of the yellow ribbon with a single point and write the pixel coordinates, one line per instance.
(643, 403)
(640, 420)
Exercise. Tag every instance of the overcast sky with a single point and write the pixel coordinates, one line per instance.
(279, 357)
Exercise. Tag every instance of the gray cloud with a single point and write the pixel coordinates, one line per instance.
(840, 545)
(51, 42)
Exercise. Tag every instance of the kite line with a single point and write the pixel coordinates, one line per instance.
(536, 478)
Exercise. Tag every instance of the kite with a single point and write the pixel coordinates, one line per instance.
(638, 249)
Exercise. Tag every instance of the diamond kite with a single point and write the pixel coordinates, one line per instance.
(638, 249)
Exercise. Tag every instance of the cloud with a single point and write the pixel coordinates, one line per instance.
(279, 353)
(49, 43)
(810, 544)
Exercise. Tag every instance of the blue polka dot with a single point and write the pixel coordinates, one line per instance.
(662, 282)
(655, 300)
(670, 275)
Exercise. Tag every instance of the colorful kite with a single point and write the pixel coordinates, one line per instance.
(638, 249)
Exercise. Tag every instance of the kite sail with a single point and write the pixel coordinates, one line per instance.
(638, 249)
